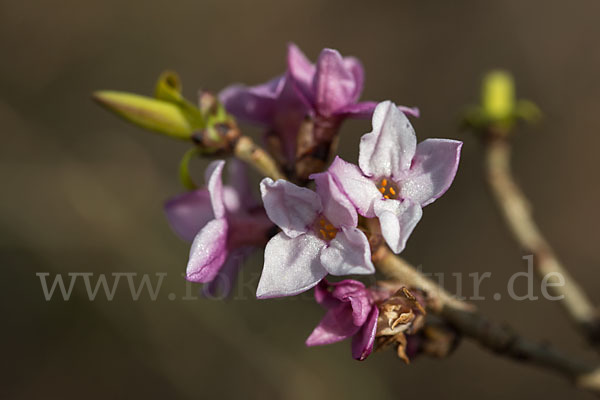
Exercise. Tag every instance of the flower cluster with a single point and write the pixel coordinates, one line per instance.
(319, 229)
(310, 234)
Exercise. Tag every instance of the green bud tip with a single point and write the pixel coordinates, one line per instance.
(148, 113)
(498, 95)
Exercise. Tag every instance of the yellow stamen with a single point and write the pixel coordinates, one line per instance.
(384, 182)
(325, 229)
(386, 197)
(382, 189)
(392, 191)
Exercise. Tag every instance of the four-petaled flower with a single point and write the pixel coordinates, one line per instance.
(225, 223)
(319, 236)
(351, 312)
(396, 177)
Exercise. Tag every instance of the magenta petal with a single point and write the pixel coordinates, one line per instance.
(345, 291)
(360, 190)
(276, 105)
(412, 111)
(208, 252)
(336, 206)
(363, 340)
(433, 170)
(324, 297)
(187, 213)
(334, 85)
(365, 109)
(359, 297)
(302, 73)
(240, 183)
(224, 281)
(254, 104)
(355, 67)
(214, 182)
(336, 325)
(292, 208)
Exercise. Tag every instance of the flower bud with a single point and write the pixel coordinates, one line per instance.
(498, 95)
(148, 113)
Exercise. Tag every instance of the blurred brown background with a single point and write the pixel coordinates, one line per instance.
(83, 191)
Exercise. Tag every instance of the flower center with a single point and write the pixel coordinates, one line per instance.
(388, 188)
(325, 229)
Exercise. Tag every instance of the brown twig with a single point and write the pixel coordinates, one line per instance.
(398, 269)
(503, 341)
(495, 337)
(517, 214)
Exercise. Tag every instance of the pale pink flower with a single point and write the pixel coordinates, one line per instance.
(396, 177)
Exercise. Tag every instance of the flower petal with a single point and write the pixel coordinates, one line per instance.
(254, 104)
(302, 73)
(324, 296)
(365, 109)
(397, 220)
(355, 67)
(292, 208)
(291, 266)
(363, 340)
(334, 85)
(388, 150)
(240, 183)
(360, 190)
(433, 170)
(187, 213)
(359, 297)
(224, 281)
(214, 182)
(336, 206)
(276, 105)
(336, 325)
(208, 252)
(349, 253)
(232, 200)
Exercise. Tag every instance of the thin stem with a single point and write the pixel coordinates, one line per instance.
(398, 269)
(246, 150)
(503, 341)
(517, 214)
(497, 338)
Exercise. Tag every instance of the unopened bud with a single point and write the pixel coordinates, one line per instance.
(148, 113)
(498, 95)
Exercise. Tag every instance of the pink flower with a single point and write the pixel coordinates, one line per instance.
(319, 236)
(396, 177)
(328, 90)
(333, 85)
(224, 222)
(351, 312)
(275, 105)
